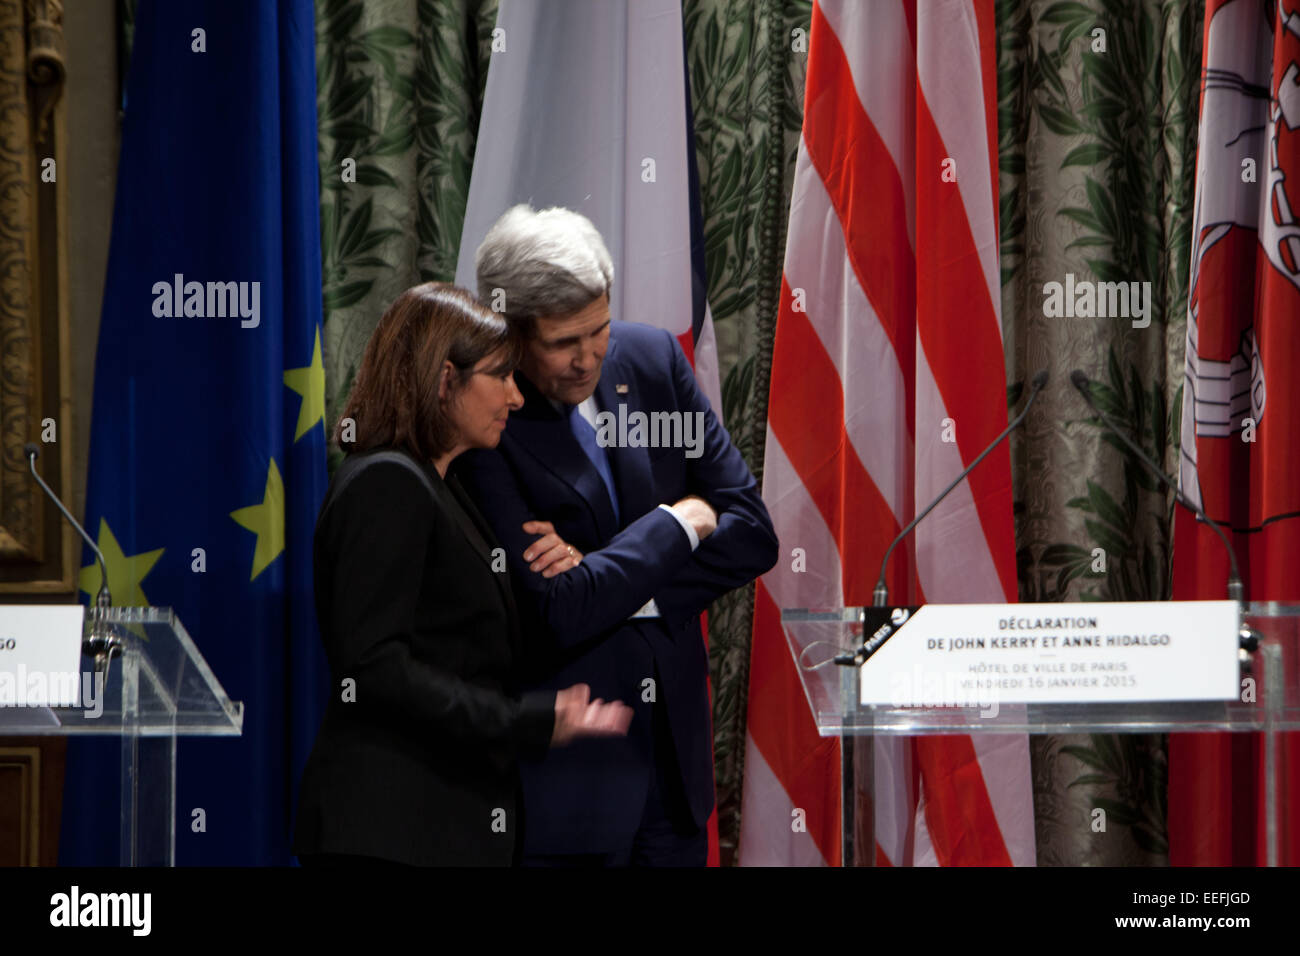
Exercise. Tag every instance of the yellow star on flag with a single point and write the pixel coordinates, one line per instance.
(309, 382)
(125, 572)
(266, 520)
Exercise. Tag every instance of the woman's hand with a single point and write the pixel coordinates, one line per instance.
(576, 715)
(549, 554)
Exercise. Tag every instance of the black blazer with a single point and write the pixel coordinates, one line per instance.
(415, 759)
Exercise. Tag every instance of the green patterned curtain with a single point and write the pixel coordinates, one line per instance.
(747, 63)
(1097, 152)
(400, 86)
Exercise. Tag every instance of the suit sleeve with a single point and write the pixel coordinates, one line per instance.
(744, 545)
(376, 534)
(610, 584)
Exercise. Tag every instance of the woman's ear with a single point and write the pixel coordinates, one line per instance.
(444, 380)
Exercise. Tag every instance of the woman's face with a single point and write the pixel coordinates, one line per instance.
(480, 408)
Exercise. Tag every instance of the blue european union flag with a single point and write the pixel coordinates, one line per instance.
(207, 459)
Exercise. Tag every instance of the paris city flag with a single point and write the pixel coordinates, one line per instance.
(207, 459)
(1241, 410)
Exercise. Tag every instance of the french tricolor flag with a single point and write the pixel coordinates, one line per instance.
(587, 107)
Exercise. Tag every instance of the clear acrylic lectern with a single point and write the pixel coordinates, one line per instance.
(1272, 671)
(158, 688)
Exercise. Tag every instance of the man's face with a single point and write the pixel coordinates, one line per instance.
(564, 354)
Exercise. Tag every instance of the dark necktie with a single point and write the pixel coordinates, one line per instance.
(586, 436)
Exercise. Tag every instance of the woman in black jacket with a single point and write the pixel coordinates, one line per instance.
(415, 759)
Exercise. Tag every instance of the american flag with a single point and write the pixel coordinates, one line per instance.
(888, 378)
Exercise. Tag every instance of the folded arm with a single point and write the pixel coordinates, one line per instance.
(607, 587)
(744, 546)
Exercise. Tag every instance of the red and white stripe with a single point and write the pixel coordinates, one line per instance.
(897, 275)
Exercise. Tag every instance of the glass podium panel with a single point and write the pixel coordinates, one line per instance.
(157, 687)
(1272, 693)
(1269, 704)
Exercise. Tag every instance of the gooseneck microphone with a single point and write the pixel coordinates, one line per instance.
(101, 643)
(1236, 591)
(880, 596)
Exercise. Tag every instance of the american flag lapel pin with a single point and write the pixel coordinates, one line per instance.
(620, 389)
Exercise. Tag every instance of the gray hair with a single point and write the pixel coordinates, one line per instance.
(551, 262)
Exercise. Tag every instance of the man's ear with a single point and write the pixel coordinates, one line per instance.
(444, 380)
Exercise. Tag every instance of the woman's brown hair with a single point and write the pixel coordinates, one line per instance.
(394, 401)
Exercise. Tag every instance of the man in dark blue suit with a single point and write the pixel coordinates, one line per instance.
(624, 511)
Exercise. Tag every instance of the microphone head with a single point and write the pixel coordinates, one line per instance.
(1039, 380)
(31, 450)
(1080, 380)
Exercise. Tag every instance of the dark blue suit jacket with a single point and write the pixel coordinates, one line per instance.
(589, 797)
